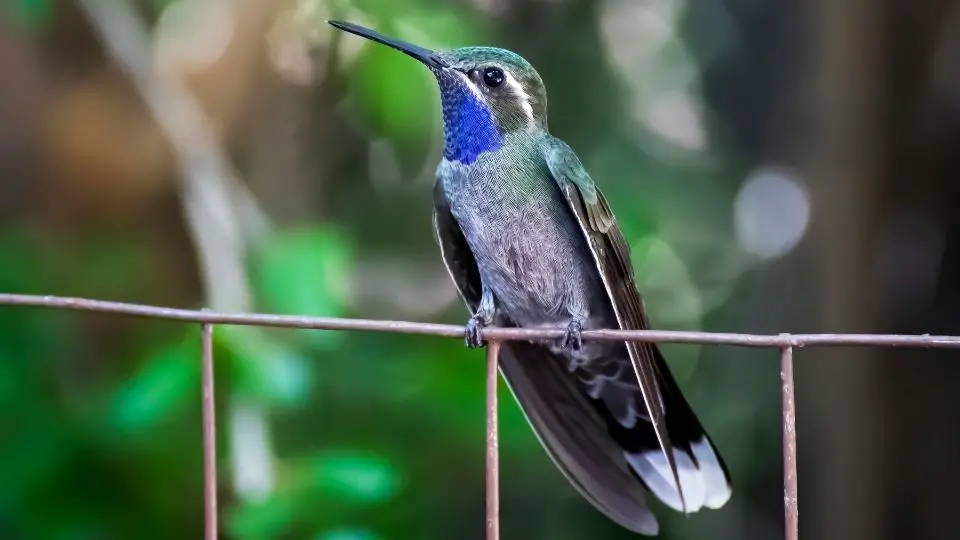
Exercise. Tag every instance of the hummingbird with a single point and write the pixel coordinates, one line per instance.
(530, 241)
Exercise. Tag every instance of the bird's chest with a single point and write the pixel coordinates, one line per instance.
(528, 247)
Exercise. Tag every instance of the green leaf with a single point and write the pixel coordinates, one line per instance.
(167, 382)
(32, 14)
(351, 476)
(396, 97)
(262, 520)
(307, 271)
(347, 534)
(266, 368)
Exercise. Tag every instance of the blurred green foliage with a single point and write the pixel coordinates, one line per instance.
(30, 14)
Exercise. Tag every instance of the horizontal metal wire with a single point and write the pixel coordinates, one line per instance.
(500, 334)
(785, 342)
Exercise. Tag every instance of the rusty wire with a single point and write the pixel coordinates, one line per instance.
(501, 334)
(493, 444)
(209, 438)
(785, 342)
(790, 502)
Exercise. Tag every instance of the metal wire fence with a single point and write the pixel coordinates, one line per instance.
(786, 343)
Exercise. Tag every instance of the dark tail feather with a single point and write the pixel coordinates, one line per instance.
(602, 458)
(575, 436)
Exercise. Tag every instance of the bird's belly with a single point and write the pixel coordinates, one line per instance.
(534, 259)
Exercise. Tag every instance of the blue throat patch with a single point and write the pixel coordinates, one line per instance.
(468, 125)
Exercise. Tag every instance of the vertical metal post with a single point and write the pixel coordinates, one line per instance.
(790, 502)
(209, 439)
(493, 460)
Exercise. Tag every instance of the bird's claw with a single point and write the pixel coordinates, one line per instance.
(473, 336)
(572, 339)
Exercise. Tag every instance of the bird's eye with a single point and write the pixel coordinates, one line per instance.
(493, 77)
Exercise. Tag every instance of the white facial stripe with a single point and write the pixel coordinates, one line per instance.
(473, 88)
(518, 90)
(514, 86)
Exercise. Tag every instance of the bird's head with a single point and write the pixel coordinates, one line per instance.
(487, 93)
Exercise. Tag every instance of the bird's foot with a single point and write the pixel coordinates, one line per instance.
(572, 339)
(473, 336)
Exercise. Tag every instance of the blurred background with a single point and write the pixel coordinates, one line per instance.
(776, 166)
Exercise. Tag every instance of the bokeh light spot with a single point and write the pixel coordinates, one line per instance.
(771, 213)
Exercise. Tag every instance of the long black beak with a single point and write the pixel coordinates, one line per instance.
(426, 56)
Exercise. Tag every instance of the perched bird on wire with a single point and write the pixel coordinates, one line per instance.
(530, 241)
